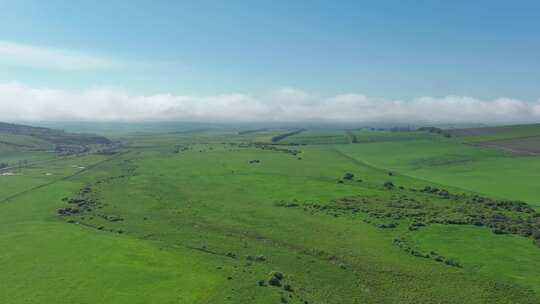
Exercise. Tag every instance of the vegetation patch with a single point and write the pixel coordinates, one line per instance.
(417, 208)
(285, 135)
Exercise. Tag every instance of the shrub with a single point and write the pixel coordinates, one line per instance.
(451, 262)
(348, 176)
(274, 282)
(278, 275)
(388, 185)
(498, 231)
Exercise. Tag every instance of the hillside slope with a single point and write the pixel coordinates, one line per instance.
(24, 143)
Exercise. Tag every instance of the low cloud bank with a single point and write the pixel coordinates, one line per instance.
(19, 102)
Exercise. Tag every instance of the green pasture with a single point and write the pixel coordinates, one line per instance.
(481, 170)
(180, 218)
(484, 252)
(318, 136)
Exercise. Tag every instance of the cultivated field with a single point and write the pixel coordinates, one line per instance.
(524, 139)
(221, 215)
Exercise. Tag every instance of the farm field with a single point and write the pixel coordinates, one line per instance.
(521, 139)
(226, 216)
(497, 133)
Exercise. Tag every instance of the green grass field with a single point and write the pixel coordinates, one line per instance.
(319, 136)
(209, 216)
(485, 252)
(482, 170)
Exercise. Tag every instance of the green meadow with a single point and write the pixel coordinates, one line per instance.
(225, 216)
(445, 162)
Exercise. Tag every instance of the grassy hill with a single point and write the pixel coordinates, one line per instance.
(52, 136)
(28, 143)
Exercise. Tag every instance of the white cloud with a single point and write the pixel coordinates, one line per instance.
(25, 55)
(21, 102)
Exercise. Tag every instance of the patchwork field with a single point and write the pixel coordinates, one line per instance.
(523, 139)
(496, 133)
(228, 216)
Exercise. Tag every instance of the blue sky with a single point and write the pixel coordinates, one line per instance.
(385, 49)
